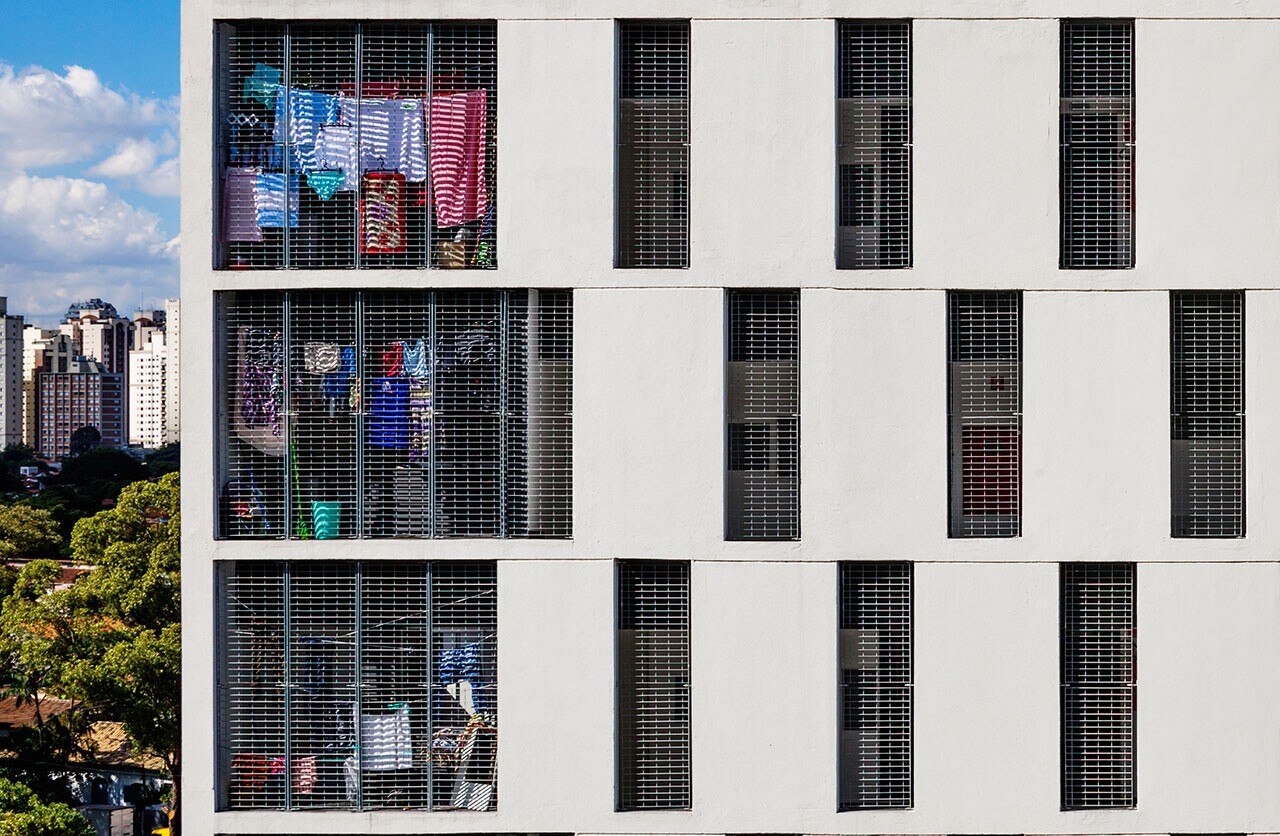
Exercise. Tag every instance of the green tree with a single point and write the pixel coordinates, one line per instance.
(27, 532)
(83, 440)
(22, 813)
(131, 671)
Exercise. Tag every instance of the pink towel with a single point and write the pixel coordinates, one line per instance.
(457, 138)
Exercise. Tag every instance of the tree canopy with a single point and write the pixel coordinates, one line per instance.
(28, 533)
(23, 813)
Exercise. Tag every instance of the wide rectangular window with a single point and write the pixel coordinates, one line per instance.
(1207, 413)
(1097, 144)
(1099, 659)
(387, 413)
(762, 487)
(357, 686)
(654, 770)
(874, 144)
(356, 144)
(875, 686)
(984, 346)
(653, 143)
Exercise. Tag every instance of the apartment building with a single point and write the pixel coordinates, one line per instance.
(10, 376)
(716, 418)
(85, 395)
(148, 369)
(172, 371)
(43, 350)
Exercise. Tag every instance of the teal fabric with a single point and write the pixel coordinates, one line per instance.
(325, 183)
(263, 85)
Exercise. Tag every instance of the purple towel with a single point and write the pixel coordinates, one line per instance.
(239, 211)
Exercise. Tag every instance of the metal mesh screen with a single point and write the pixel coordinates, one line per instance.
(875, 685)
(358, 685)
(357, 144)
(1099, 685)
(398, 414)
(874, 144)
(762, 486)
(985, 412)
(1207, 405)
(1097, 141)
(653, 686)
(653, 143)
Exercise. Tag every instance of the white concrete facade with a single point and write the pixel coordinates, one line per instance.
(648, 427)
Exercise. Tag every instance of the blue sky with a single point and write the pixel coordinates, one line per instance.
(88, 146)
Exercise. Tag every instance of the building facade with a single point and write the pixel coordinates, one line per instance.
(10, 376)
(868, 455)
(172, 372)
(85, 395)
(43, 350)
(148, 370)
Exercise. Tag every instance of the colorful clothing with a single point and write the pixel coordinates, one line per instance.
(458, 147)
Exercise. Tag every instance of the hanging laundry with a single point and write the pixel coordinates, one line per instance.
(416, 362)
(420, 415)
(336, 149)
(325, 183)
(484, 250)
(269, 199)
(321, 358)
(299, 115)
(458, 139)
(393, 359)
(386, 740)
(371, 89)
(304, 775)
(389, 413)
(382, 207)
(392, 135)
(337, 384)
(239, 208)
(263, 85)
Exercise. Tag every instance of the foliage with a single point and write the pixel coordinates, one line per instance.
(27, 532)
(86, 484)
(84, 439)
(163, 460)
(22, 813)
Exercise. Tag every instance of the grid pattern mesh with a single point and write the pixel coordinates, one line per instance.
(1097, 141)
(874, 145)
(357, 685)
(398, 414)
(875, 685)
(653, 144)
(1099, 685)
(763, 414)
(1207, 405)
(985, 412)
(357, 144)
(654, 771)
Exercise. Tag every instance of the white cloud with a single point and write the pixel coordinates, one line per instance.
(74, 235)
(51, 119)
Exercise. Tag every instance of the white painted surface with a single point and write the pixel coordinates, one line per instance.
(648, 424)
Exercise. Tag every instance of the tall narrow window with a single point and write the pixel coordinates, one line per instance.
(1097, 142)
(875, 686)
(985, 412)
(1207, 405)
(356, 144)
(357, 685)
(653, 686)
(653, 143)
(763, 413)
(404, 413)
(874, 114)
(1099, 685)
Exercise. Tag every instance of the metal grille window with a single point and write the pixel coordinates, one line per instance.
(1207, 405)
(653, 143)
(1099, 685)
(357, 685)
(357, 144)
(875, 685)
(396, 414)
(874, 145)
(1097, 142)
(985, 412)
(763, 415)
(654, 770)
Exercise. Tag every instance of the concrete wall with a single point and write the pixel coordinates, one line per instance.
(648, 424)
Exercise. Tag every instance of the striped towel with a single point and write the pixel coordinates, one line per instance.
(458, 138)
